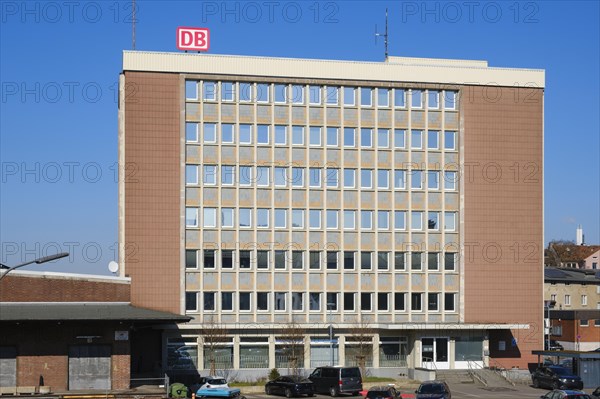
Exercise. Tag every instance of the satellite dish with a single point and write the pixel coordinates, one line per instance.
(113, 266)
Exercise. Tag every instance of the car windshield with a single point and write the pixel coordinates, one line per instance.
(217, 381)
(431, 388)
(560, 371)
(351, 372)
(377, 394)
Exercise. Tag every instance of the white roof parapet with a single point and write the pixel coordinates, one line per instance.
(396, 69)
(400, 326)
(70, 276)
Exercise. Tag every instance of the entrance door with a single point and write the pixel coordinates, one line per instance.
(434, 353)
(89, 367)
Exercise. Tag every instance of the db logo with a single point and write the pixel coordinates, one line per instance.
(195, 39)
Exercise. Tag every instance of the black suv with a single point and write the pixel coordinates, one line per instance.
(556, 377)
(433, 390)
(383, 392)
(336, 380)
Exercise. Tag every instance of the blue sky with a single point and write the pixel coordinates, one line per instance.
(60, 63)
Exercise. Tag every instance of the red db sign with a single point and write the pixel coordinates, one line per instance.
(195, 39)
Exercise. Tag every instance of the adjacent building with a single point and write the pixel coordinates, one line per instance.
(400, 202)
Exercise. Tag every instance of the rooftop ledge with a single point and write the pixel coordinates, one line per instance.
(393, 69)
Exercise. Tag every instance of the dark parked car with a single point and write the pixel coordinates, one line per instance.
(433, 390)
(596, 393)
(565, 394)
(556, 377)
(383, 392)
(290, 386)
(336, 380)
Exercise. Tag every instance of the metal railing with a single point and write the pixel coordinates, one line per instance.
(473, 368)
(254, 361)
(430, 360)
(392, 361)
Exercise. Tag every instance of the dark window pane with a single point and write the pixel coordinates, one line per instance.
(190, 259)
(227, 259)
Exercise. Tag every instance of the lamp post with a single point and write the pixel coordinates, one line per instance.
(330, 308)
(38, 261)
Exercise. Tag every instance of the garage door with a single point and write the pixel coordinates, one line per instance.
(8, 366)
(89, 367)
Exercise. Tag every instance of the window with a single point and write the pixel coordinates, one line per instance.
(399, 260)
(366, 96)
(366, 220)
(227, 259)
(365, 301)
(209, 90)
(383, 97)
(348, 260)
(332, 177)
(262, 301)
(567, 300)
(450, 221)
(383, 178)
(210, 175)
(416, 179)
(416, 139)
(332, 219)
(210, 132)
(450, 99)
(433, 99)
(416, 301)
(209, 301)
(432, 302)
(227, 175)
(297, 135)
(349, 96)
(280, 176)
(416, 98)
(365, 260)
(245, 217)
(332, 136)
(191, 174)
(433, 140)
(262, 218)
(383, 220)
(584, 300)
(245, 304)
(366, 178)
(262, 259)
(297, 218)
(332, 301)
(298, 301)
(400, 220)
(314, 301)
(415, 260)
(245, 92)
(416, 220)
(280, 218)
(349, 137)
(332, 260)
(349, 180)
(314, 216)
(297, 260)
(349, 301)
(399, 98)
(449, 302)
(399, 301)
(280, 134)
(262, 176)
(244, 259)
(210, 217)
(227, 135)
(245, 134)
(227, 301)
(314, 260)
(383, 138)
(191, 90)
(553, 297)
(227, 217)
(227, 91)
(280, 301)
(280, 92)
(191, 132)
(332, 95)
(449, 261)
(297, 177)
(262, 92)
(191, 301)
(280, 259)
(449, 140)
(314, 93)
(297, 94)
(262, 134)
(584, 323)
(314, 177)
(433, 222)
(450, 181)
(366, 138)
(191, 261)
(433, 261)
(349, 220)
(399, 138)
(400, 179)
(383, 260)
(597, 323)
(383, 301)
(315, 136)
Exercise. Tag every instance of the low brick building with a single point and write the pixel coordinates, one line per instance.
(70, 332)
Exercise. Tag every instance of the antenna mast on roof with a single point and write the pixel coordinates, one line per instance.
(385, 35)
(133, 24)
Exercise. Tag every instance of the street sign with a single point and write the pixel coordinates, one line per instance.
(193, 39)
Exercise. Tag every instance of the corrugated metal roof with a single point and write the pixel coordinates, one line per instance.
(36, 311)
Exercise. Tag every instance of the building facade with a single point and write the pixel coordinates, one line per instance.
(399, 202)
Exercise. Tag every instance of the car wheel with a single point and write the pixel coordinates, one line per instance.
(333, 392)
(555, 385)
(288, 393)
(536, 383)
(268, 390)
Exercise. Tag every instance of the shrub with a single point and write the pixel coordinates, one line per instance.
(273, 374)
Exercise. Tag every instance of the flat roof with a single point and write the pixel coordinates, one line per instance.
(395, 69)
(79, 311)
(69, 276)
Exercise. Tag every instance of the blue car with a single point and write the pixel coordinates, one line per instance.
(556, 377)
(565, 394)
(433, 390)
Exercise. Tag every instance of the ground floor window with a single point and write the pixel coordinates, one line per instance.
(182, 354)
(321, 353)
(220, 356)
(359, 354)
(393, 351)
(289, 353)
(254, 352)
(468, 348)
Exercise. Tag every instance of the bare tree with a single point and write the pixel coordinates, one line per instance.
(361, 339)
(214, 336)
(292, 338)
